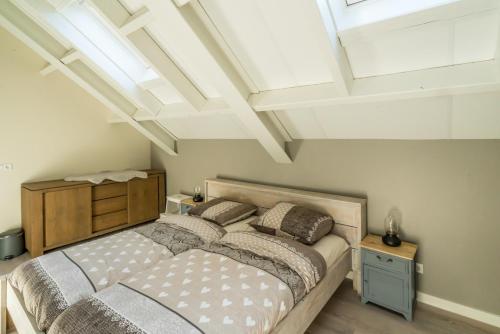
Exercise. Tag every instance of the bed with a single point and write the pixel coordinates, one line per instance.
(47, 285)
(349, 214)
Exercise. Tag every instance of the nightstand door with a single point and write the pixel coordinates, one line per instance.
(385, 288)
(185, 208)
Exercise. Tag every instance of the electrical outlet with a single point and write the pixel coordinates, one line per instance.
(419, 267)
(6, 167)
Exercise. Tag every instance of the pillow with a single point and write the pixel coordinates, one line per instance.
(223, 212)
(242, 225)
(294, 221)
(206, 230)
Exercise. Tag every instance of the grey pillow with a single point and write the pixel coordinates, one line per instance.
(223, 212)
(294, 221)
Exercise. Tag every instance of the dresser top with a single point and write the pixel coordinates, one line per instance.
(41, 185)
(374, 242)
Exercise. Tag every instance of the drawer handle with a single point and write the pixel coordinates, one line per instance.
(389, 260)
(378, 257)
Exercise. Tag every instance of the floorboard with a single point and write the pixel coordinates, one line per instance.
(345, 314)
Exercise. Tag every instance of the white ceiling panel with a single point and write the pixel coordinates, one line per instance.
(273, 40)
(442, 43)
(207, 127)
(412, 119)
(476, 116)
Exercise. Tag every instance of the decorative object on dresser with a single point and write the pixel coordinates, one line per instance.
(187, 204)
(58, 213)
(388, 274)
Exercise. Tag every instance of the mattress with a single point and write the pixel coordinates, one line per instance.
(331, 247)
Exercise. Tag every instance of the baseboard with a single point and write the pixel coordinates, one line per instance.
(465, 311)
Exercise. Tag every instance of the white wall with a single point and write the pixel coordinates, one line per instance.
(50, 128)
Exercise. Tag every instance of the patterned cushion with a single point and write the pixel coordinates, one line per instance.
(223, 212)
(296, 222)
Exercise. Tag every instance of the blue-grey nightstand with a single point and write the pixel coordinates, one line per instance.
(388, 274)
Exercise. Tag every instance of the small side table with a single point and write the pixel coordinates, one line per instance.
(175, 200)
(187, 204)
(388, 275)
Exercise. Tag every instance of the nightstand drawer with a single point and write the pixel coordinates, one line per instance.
(385, 261)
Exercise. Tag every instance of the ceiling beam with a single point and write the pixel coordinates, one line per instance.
(137, 21)
(334, 53)
(21, 26)
(173, 115)
(450, 80)
(191, 36)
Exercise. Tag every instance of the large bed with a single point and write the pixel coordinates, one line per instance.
(350, 224)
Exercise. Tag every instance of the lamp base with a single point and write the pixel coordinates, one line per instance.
(197, 198)
(391, 240)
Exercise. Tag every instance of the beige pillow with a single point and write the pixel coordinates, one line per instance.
(223, 212)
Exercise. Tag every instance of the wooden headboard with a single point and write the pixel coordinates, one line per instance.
(349, 213)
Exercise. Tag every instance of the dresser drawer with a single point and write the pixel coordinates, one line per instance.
(108, 205)
(103, 222)
(385, 261)
(109, 190)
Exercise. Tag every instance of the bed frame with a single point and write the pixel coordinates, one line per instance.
(350, 223)
(349, 214)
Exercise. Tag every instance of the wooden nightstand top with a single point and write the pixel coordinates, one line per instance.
(189, 201)
(374, 242)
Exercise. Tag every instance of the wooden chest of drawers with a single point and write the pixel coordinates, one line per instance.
(57, 213)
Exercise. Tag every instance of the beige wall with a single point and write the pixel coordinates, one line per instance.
(49, 128)
(448, 193)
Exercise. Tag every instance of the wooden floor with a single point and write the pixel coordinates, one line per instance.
(345, 314)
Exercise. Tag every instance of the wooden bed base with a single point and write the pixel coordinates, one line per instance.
(303, 314)
(349, 214)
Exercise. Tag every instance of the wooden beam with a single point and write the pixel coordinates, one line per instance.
(19, 24)
(211, 62)
(449, 80)
(71, 56)
(172, 115)
(181, 3)
(47, 70)
(330, 45)
(137, 21)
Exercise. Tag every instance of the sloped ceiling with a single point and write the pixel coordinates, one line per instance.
(277, 70)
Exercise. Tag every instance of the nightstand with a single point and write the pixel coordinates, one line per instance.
(388, 274)
(174, 203)
(187, 204)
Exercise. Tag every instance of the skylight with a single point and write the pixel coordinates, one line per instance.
(348, 16)
(103, 50)
(88, 22)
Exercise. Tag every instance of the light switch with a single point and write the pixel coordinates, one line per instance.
(6, 167)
